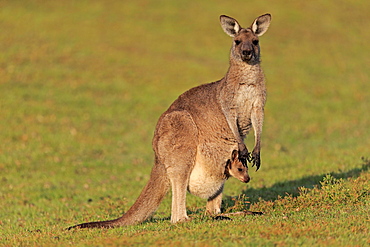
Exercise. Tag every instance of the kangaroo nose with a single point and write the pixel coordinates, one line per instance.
(247, 52)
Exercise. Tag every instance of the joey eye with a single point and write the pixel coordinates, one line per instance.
(240, 169)
(255, 42)
(237, 42)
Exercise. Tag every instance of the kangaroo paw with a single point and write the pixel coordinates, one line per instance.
(256, 160)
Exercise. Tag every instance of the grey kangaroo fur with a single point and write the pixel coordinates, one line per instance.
(194, 138)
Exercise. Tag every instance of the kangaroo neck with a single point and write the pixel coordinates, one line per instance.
(243, 73)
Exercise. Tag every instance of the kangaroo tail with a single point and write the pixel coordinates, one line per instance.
(146, 204)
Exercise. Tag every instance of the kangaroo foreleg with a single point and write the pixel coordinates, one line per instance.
(231, 119)
(257, 122)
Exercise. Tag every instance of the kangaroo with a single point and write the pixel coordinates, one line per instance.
(193, 139)
(236, 168)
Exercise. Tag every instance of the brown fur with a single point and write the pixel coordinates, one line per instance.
(193, 139)
(235, 168)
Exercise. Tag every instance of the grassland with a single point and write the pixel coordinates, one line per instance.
(82, 84)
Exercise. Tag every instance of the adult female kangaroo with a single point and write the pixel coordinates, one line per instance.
(194, 138)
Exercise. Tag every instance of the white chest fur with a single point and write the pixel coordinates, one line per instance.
(204, 182)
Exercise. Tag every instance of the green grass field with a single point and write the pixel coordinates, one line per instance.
(83, 83)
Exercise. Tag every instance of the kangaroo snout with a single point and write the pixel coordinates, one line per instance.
(246, 179)
(247, 54)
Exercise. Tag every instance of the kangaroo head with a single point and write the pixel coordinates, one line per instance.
(236, 168)
(246, 43)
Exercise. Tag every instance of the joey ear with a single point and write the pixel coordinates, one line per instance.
(228, 163)
(234, 155)
(228, 167)
(230, 26)
(261, 24)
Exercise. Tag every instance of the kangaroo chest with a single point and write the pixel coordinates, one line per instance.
(248, 97)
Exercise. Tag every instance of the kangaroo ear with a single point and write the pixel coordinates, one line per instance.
(228, 164)
(261, 24)
(234, 155)
(230, 26)
(228, 167)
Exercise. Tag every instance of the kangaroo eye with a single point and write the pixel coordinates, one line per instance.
(237, 42)
(240, 169)
(255, 42)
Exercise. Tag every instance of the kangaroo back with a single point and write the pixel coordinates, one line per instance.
(146, 204)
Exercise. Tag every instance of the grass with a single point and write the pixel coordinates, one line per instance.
(82, 84)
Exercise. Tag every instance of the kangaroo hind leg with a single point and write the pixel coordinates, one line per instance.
(176, 139)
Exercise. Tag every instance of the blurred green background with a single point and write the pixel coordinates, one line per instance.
(82, 84)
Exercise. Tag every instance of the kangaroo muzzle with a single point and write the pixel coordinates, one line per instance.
(247, 55)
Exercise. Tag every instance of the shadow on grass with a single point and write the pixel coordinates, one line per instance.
(291, 187)
(272, 193)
